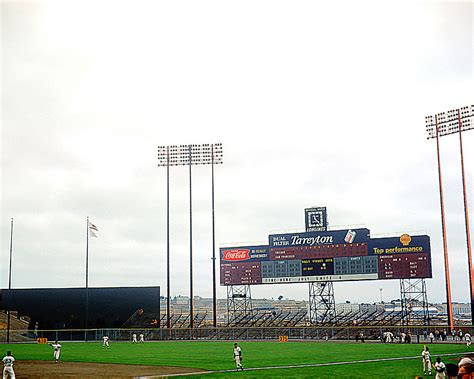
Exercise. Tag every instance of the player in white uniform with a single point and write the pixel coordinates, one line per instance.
(142, 338)
(426, 358)
(57, 351)
(467, 337)
(238, 357)
(134, 338)
(105, 342)
(440, 369)
(8, 366)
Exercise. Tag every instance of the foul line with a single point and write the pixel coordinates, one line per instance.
(299, 366)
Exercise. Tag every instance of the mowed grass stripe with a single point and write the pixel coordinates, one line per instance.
(274, 368)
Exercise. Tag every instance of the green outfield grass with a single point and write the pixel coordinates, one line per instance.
(217, 355)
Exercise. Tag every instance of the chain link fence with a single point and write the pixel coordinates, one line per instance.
(405, 334)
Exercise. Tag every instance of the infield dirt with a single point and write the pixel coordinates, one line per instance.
(69, 370)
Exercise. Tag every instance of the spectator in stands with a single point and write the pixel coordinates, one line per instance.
(36, 329)
(444, 336)
(402, 337)
(408, 338)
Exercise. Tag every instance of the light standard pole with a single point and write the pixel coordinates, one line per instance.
(216, 158)
(10, 280)
(189, 155)
(439, 125)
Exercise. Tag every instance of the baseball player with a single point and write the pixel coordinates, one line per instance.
(105, 342)
(57, 351)
(8, 366)
(426, 359)
(467, 337)
(440, 369)
(134, 338)
(142, 338)
(238, 356)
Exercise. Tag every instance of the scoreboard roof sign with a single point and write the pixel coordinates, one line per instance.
(244, 253)
(399, 245)
(333, 237)
(316, 219)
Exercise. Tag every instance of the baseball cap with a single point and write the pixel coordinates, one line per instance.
(465, 361)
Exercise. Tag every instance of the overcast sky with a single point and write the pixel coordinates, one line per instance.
(316, 104)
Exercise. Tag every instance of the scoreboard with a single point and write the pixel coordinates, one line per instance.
(338, 255)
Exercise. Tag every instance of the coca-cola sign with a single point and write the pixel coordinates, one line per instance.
(236, 255)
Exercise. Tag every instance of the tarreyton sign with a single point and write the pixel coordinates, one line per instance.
(334, 237)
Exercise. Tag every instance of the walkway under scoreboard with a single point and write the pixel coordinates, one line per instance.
(336, 255)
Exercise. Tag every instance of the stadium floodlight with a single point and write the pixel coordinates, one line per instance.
(450, 122)
(439, 125)
(189, 155)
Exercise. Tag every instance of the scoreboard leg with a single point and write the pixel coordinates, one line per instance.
(322, 304)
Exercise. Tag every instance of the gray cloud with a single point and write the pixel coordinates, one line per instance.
(310, 113)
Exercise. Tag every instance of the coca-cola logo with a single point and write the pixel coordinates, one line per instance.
(236, 255)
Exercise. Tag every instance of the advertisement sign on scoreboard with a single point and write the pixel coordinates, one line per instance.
(333, 237)
(399, 245)
(337, 255)
(244, 253)
(316, 219)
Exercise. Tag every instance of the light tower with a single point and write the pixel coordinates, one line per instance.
(188, 155)
(439, 125)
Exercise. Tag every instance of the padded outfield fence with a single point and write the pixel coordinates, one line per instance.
(417, 334)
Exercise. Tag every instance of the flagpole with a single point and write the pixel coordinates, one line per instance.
(87, 279)
(10, 279)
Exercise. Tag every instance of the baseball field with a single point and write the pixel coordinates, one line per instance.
(213, 359)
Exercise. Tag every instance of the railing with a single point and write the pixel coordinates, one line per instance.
(326, 332)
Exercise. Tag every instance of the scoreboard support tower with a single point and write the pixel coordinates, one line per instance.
(239, 303)
(322, 305)
(414, 302)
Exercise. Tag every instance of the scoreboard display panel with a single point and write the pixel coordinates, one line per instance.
(339, 255)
